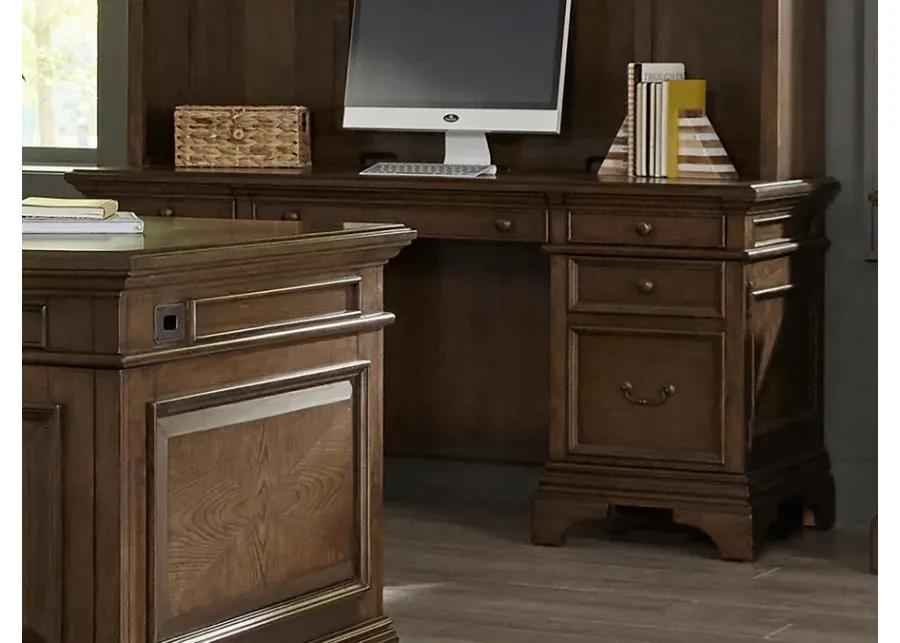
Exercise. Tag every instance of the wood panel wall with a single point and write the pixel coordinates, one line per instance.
(763, 59)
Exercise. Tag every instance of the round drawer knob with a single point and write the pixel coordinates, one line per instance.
(290, 216)
(166, 212)
(644, 229)
(646, 286)
(503, 225)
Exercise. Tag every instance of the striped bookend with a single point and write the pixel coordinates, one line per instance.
(700, 151)
(616, 161)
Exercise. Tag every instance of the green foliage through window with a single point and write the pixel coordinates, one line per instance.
(59, 75)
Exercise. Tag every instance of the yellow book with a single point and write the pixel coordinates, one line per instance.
(48, 208)
(678, 95)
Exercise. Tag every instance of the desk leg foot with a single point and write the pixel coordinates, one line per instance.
(737, 536)
(820, 502)
(551, 517)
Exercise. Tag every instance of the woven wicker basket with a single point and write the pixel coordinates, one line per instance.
(236, 136)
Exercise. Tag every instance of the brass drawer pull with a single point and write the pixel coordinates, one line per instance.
(664, 394)
(166, 212)
(503, 225)
(290, 216)
(644, 229)
(646, 286)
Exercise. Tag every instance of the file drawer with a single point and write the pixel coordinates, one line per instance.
(648, 394)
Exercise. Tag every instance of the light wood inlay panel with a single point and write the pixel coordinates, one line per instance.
(258, 499)
(42, 524)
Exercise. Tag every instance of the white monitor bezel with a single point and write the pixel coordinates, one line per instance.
(439, 119)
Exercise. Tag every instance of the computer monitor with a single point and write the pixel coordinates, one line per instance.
(464, 67)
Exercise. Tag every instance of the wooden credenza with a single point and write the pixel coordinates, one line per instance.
(202, 433)
(681, 323)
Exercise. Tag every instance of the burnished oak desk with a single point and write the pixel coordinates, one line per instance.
(656, 344)
(202, 434)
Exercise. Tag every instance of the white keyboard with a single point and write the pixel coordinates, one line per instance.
(439, 170)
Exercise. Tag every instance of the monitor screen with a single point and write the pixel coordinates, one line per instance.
(462, 54)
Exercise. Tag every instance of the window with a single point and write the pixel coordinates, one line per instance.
(59, 81)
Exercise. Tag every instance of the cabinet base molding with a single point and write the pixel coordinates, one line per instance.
(737, 511)
(380, 630)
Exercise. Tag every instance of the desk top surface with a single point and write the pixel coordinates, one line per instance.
(193, 244)
(344, 179)
(177, 235)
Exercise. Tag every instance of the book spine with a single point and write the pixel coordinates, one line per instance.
(664, 126)
(641, 126)
(652, 128)
(660, 72)
(660, 149)
(629, 119)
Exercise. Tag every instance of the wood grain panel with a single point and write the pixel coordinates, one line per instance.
(785, 345)
(655, 288)
(251, 312)
(259, 497)
(217, 53)
(720, 41)
(42, 523)
(165, 65)
(471, 338)
(34, 325)
(686, 426)
(269, 51)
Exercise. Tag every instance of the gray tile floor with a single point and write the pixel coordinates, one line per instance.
(459, 568)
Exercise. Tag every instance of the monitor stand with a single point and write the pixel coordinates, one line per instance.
(468, 148)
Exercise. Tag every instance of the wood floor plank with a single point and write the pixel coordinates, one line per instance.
(460, 569)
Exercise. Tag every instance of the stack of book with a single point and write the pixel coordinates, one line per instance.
(666, 133)
(77, 216)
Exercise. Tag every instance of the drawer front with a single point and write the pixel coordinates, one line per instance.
(642, 287)
(500, 224)
(647, 394)
(257, 312)
(178, 207)
(636, 229)
(277, 210)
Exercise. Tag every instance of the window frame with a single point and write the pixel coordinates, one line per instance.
(112, 98)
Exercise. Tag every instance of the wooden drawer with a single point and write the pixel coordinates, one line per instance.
(500, 224)
(636, 229)
(254, 312)
(278, 210)
(648, 394)
(647, 287)
(178, 207)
